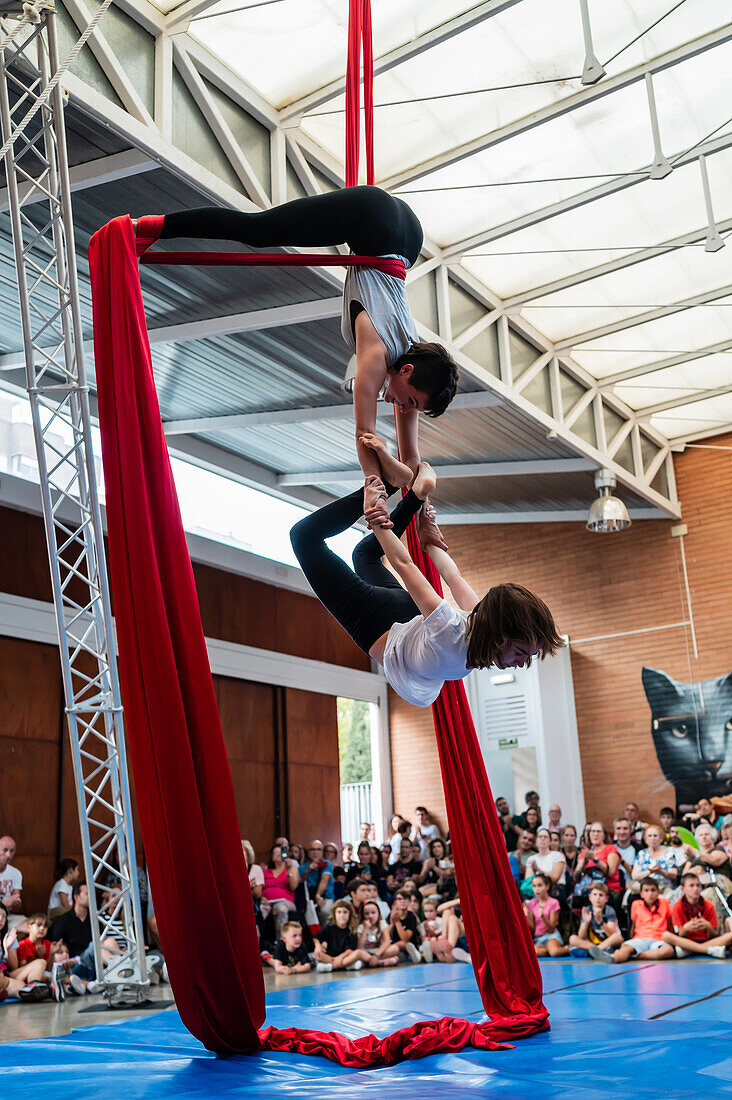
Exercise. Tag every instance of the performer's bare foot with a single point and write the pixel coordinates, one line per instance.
(428, 532)
(424, 482)
(374, 503)
(394, 471)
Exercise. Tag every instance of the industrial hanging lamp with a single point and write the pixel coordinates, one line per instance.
(607, 514)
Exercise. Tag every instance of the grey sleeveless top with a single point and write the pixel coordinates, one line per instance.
(384, 297)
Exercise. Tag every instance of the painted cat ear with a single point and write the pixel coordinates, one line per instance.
(661, 689)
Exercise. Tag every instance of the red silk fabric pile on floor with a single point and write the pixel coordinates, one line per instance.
(182, 780)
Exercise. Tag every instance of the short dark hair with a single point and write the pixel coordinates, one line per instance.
(649, 880)
(422, 809)
(530, 794)
(435, 373)
(354, 884)
(509, 613)
(403, 894)
(690, 875)
(667, 810)
(541, 875)
(402, 827)
(77, 888)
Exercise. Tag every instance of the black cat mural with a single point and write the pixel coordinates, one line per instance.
(692, 732)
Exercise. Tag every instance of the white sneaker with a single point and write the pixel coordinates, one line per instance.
(323, 968)
(427, 954)
(717, 951)
(461, 956)
(413, 953)
(164, 973)
(76, 987)
(680, 953)
(357, 965)
(94, 986)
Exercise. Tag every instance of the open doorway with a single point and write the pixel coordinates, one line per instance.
(358, 754)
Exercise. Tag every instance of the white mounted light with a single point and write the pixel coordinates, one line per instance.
(608, 514)
(350, 376)
(503, 678)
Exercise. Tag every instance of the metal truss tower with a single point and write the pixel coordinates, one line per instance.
(37, 177)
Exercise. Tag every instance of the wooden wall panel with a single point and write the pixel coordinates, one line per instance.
(312, 766)
(29, 731)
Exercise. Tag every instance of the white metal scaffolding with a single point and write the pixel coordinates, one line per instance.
(37, 176)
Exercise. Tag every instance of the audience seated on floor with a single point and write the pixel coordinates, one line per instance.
(542, 914)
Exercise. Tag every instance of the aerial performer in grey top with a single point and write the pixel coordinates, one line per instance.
(376, 323)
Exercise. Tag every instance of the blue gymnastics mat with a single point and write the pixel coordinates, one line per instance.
(656, 1029)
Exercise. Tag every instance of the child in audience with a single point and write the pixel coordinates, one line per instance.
(695, 923)
(454, 932)
(31, 984)
(290, 953)
(542, 913)
(336, 945)
(650, 918)
(66, 874)
(599, 924)
(667, 818)
(374, 937)
(36, 947)
(404, 930)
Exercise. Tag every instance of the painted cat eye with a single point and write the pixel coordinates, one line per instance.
(680, 732)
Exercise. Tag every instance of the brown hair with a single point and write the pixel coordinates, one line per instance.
(39, 918)
(601, 886)
(509, 613)
(435, 373)
(290, 926)
(343, 904)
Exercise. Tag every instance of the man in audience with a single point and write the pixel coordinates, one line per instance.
(404, 868)
(319, 872)
(637, 827)
(526, 848)
(423, 832)
(417, 854)
(74, 926)
(703, 813)
(365, 831)
(555, 817)
(510, 831)
(11, 886)
(695, 923)
(650, 918)
(622, 842)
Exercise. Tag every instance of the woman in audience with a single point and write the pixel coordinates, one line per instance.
(552, 864)
(256, 880)
(569, 848)
(555, 840)
(384, 858)
(330, 852)
(374, 937)
(725, 834)
(66, 874)
(363, 868)
(298, 853)
(437, 870)
(542, 914)
(657, 861)
(278, 893)
(532, 818)
(597, 861)
(395, 837)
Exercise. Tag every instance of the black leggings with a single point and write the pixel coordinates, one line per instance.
(368, 602)
(370, 221)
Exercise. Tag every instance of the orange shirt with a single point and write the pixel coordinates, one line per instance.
(650, 924)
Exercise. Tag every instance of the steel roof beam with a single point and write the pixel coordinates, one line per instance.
(308, 415)
(416, 46)
(564, 106)
(457, 250)
(643, 254)
(687, 402)
(568, 515)
(643, 318)
(92, 173)
(529, 467)
(611, 380)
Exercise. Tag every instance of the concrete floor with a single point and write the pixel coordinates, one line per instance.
(38, 1021)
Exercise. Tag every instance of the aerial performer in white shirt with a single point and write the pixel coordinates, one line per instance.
(376, 322)
(415, 634)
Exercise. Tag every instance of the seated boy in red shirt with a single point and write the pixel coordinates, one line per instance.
(35, 945)
(650, 919)
(695, 921)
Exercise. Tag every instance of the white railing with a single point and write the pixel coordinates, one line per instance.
(355, 808)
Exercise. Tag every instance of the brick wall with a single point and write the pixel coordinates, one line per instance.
(599, 585)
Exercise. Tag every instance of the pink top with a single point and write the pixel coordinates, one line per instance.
(551, 905)
(275, 886)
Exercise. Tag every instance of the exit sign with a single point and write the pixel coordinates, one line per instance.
(508, 743)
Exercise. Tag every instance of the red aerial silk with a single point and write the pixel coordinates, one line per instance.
(359, 39)
(182, 780)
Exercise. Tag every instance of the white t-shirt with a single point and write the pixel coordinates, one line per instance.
(546, 863)
(429, 832)
(421, 654)
(256, 875)
(10, 880)
(61, 887)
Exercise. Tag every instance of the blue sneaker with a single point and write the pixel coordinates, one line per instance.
(578, 953)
